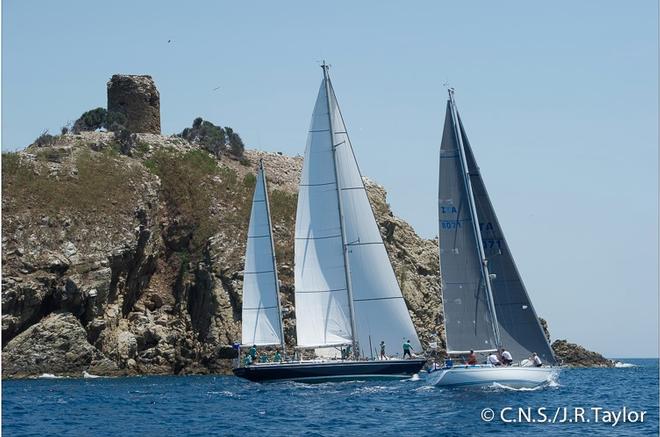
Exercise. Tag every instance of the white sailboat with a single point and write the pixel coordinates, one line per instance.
(261, 312)
(486, 305)
(346, 293)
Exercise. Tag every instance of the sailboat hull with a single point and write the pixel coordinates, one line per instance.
(487, 376)
(326, 371)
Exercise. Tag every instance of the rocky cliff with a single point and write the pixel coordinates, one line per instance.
(116, 264)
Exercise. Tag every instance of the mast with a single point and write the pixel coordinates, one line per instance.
(344, 242)
(475, 219)
(272, 246)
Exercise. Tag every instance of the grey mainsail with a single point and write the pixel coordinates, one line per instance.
(520, 330)
(469, 324)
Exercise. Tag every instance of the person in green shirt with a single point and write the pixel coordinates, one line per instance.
(253, 352)
(407, 349)
(277, 358)
(263, 358)
(247, 360)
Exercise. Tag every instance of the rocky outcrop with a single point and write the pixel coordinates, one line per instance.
(573, 355)
(138, 99)
(57, 344)
(135, 262)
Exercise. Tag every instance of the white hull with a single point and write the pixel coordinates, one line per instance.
(487, 376)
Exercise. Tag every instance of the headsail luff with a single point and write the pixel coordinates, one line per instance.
(469, 322)
(519, 325)
(262, 319)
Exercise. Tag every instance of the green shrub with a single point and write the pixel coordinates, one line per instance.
(45, 139)
(208, 135)
(91, 120)
(11, 162)
(250, 181)
(214, 138)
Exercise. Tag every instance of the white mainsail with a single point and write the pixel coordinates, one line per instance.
(379, 310)
(322, 308)
(262, 321)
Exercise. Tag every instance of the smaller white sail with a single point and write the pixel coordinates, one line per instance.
(261, 310)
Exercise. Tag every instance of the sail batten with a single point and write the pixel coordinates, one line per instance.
(261, 315)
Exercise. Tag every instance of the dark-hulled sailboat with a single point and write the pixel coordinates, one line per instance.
(486, 305)
(346, 293)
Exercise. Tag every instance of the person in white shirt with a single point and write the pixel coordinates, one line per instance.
(493, 360)
(537, 361)
(506, 357)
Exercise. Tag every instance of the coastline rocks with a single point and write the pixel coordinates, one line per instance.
(573, 355)
(141, 274)
(57, 344)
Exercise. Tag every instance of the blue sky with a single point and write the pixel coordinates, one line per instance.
(559, 99)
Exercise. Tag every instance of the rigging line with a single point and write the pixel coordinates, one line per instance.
(258, 273)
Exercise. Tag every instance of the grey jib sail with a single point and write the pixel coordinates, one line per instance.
(468, 322)
(520, 330)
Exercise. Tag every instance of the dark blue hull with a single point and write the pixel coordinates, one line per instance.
(331, 370)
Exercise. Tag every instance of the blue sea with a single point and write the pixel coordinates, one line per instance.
(225, 405)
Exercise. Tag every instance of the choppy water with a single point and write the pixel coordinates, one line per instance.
(208, 405)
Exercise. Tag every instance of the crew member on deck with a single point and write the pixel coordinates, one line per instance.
(253, 352)
(407, 349)
(536, 360)
(247, 360)
(472, 359)
(507, 359)
(493, 360)
(277, 358)
(382, 351)
(263, 358)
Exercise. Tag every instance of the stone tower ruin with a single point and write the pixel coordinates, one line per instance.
(137, 97)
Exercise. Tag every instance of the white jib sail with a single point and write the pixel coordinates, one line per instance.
(261, 315)
(380, 311)
(322, 309)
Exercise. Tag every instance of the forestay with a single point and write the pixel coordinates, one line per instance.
(261, 315)
(468, 321)
(520, 330)
(380, 310)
